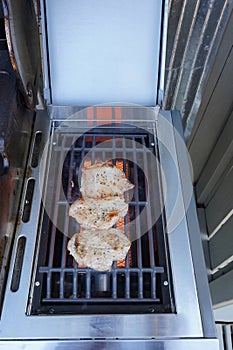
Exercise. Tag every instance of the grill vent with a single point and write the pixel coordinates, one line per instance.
(36, 149)
(18, 264)
(28, 200)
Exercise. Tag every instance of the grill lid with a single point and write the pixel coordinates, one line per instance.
(103, 51)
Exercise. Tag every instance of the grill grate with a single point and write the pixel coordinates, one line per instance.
(141, 279)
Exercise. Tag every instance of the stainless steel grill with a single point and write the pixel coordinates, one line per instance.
(140, 280)
(95, 53)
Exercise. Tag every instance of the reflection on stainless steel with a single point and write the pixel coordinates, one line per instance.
(23, 45)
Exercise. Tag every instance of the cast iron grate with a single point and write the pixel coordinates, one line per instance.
(139, 283)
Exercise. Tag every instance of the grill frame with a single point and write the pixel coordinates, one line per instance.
(190, 296)
(159, 281)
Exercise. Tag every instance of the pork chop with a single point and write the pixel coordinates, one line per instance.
(98, 213)
(97, 249)
(102, 180)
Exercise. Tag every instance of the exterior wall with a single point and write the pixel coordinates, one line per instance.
(199, 83)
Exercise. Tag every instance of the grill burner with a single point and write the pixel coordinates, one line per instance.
(140, 280)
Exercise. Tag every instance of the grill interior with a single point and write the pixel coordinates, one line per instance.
(141, 280)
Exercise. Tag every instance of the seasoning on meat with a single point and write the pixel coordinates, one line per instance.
(103, 180)
(97, 248)
(98, 213)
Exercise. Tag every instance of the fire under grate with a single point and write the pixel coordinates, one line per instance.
(138, 284)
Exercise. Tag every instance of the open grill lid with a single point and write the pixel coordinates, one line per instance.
(93, 52)
(104, 51)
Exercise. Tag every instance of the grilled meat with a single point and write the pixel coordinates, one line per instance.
(98, 213)
(97, 249)
(103, 180)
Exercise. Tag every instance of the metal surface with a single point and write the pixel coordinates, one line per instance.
(172, 344)
(228, 336)
(195, 30)
(186, 322)
(193, 228)
(15, 129)
(162, 64)
(216, 101)
(225, 331)
(142, 278)
(211, 150)
(220, 336)
(23, 45)
(121, 41)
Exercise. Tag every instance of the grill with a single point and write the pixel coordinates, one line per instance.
(97, 98)
(140, 280)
